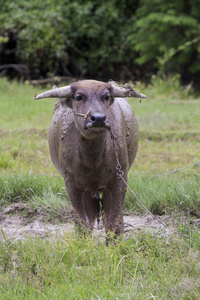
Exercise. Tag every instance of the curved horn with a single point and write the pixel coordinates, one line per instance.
(61, 92)
(126, 91)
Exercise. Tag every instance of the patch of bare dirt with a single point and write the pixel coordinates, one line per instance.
(19, 221)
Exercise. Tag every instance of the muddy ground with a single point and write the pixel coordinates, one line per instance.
(19, 221)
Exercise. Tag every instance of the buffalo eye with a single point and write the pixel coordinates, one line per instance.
(107, 97)
(79, 98)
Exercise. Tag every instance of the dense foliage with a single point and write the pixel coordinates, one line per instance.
(168, 34)
(93, 39)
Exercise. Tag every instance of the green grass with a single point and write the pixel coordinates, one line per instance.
(25, 151)
(23, 188)
(169, 140)
(83, 268)
(18, 109)
(160, 194)
(165, 194)
(144, 266)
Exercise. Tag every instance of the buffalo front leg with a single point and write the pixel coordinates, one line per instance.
(85, 209)
(91, 207)
(112, 208)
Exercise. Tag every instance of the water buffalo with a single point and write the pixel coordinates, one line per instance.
(93, 131)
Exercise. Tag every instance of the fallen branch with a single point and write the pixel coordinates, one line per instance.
(53, 80)
(19, 67)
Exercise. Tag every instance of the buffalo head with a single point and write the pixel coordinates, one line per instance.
(90, 101)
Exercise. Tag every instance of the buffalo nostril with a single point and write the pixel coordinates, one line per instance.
(98, 119)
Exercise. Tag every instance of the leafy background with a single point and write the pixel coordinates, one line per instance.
(95, 38)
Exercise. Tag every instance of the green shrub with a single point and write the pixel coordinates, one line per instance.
(167, 35)
(88, 38)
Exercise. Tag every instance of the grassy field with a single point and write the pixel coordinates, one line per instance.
(142, 267)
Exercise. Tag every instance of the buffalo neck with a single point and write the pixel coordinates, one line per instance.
(91, 150)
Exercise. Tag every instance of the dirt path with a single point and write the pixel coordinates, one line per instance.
(14, 225)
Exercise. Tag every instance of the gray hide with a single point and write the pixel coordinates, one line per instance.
(84, 152)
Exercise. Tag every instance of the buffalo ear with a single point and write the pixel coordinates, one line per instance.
(110, 89)
(68, 101)
(112, 100)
